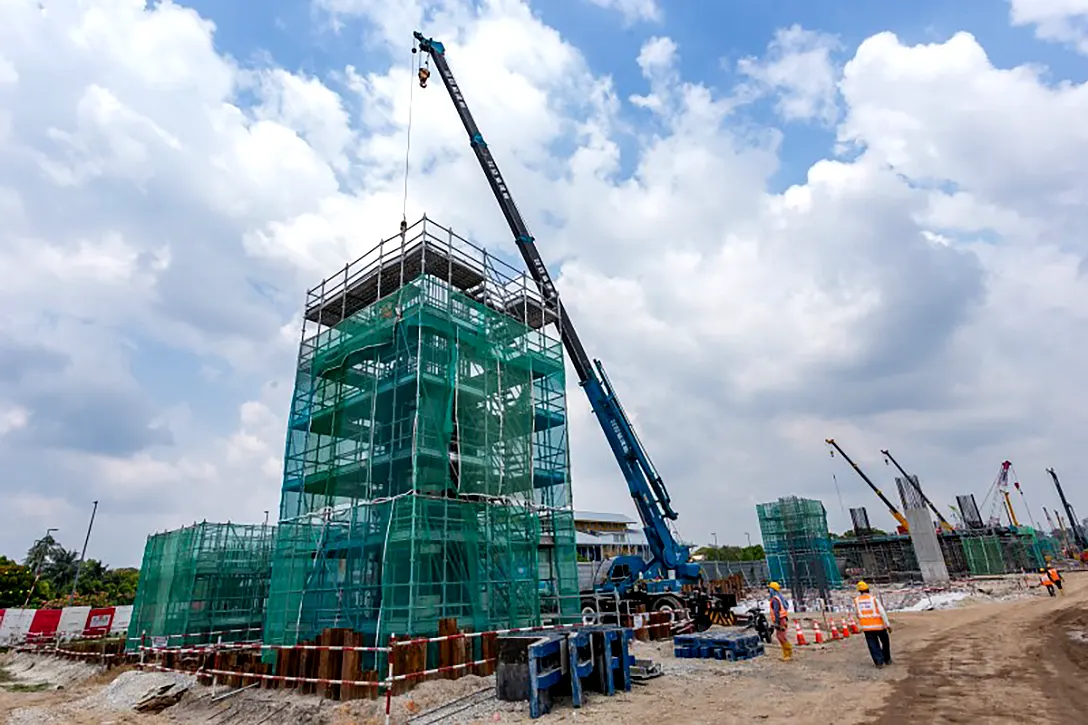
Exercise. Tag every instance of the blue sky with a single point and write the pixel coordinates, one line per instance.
(774, 224)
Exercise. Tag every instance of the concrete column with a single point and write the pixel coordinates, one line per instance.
(926, 547)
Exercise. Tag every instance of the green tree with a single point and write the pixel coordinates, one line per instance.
(98, 586)
(15, 582)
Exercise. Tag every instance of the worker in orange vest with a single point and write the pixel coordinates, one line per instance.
(1052, 572)
(1046, 581)
(873, 621)
(780, 620)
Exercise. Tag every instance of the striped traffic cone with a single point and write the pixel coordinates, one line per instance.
(834, 631)
(854, 626)
(845, 629)
(801, 641)
(817, 635)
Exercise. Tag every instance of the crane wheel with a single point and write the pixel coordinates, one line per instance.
(670, 604)
(590, 615)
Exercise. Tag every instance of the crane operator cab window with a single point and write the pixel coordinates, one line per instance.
(620, 572)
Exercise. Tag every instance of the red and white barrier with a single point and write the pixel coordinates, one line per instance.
(34, 626)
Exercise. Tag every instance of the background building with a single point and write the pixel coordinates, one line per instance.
(601, 536)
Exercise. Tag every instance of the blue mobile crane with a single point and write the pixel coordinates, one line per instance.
(660, 582)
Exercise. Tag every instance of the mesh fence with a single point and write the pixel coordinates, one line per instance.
(1005, 553)
(203, 579)
(426, 473)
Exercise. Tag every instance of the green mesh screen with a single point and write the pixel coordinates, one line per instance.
(797, 543)
(426, 473)
(203, 579)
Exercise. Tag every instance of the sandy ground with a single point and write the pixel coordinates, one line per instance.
(1016, 661)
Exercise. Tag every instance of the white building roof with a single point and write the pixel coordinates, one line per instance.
(580, 516)
(628, 538)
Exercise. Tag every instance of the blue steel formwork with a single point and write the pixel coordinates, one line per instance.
(538, 667)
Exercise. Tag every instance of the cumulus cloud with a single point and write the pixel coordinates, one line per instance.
(800, 70)
(920, 288)
(633, 10)
(1061, 21)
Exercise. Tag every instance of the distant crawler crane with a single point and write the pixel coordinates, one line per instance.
(900, 519)
(907, 477)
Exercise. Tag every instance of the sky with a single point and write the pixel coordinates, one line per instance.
(774, 222)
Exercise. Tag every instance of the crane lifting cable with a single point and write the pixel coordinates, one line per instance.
(899, 518)
(907, 478)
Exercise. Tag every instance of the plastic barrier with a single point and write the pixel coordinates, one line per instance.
(15, 626)
(43, 627)
(99, 622)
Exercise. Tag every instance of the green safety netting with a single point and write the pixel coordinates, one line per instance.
(203, 583)
(426, 473)
(797, 543)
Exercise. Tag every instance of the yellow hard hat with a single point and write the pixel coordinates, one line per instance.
(776, 586)
(863, 587)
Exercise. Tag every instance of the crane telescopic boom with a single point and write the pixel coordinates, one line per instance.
(906, 477)
(646, 486)
(1078, 530)
(900, 519)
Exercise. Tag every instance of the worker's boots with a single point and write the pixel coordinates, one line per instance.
(787, 651)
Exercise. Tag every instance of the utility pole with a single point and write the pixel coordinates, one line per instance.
(715, 539)
(79, 566)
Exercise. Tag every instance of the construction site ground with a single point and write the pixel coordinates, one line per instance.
(1013, 660)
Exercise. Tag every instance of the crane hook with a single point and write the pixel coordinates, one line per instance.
(424, 74)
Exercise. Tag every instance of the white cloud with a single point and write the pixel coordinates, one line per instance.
(800, 70)
(12, 418)
(923, 292)
(633, 10)
(1062, 21)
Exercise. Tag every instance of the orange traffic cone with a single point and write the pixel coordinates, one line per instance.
(854, 626)
(801, 641)
(817, 635)
(834, 631)
(845, 629)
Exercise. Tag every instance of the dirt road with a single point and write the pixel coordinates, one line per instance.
(1023, 661)
(999, 663)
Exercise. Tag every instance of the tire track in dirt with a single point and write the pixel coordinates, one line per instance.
(1015, 664)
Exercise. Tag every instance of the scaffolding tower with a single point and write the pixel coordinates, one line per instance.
(798, 546)
(202, 583)
(426, 474)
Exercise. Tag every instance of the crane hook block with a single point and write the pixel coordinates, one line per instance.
(424, 74)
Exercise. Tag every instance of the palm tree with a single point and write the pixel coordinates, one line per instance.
(38, 554)
(61, 567)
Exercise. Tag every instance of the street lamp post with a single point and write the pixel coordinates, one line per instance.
(38, 568)
(715, 539)
(749, 538)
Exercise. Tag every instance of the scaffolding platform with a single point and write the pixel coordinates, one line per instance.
(427, 249)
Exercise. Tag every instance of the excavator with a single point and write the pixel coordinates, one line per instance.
(670, 580)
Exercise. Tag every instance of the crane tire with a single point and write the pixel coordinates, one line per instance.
(590, 615)
(671, 604)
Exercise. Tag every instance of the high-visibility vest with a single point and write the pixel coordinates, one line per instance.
(1046, 581)
(869, 618)
(782, 614)
(1053, 573)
